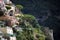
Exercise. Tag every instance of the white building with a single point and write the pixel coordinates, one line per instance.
(6, 30)
(7, 1)
(9, 30)
(12, 38)
(9, 33)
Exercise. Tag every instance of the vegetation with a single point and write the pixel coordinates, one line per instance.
(8, 7)
(29, 26)
(30, 32)
(19, 7)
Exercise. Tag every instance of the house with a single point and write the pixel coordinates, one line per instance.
(9, 30)
(6, 30)
(13, 38)
(7, 1)
(6, 33)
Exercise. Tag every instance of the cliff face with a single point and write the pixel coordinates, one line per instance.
(46, 12)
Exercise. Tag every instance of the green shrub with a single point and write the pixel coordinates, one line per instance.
(19, 6)
(8, 7)
(29, 29)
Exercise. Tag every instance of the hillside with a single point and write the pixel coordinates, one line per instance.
(47, 13)
(14, 25)
(30, 29)
(17, 26)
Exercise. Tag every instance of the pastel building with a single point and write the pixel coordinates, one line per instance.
(6, 33)
(6, 30)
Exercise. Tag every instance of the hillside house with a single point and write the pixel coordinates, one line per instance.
(6, 30)
(13, 38)
(6, 33)
(7, 1)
